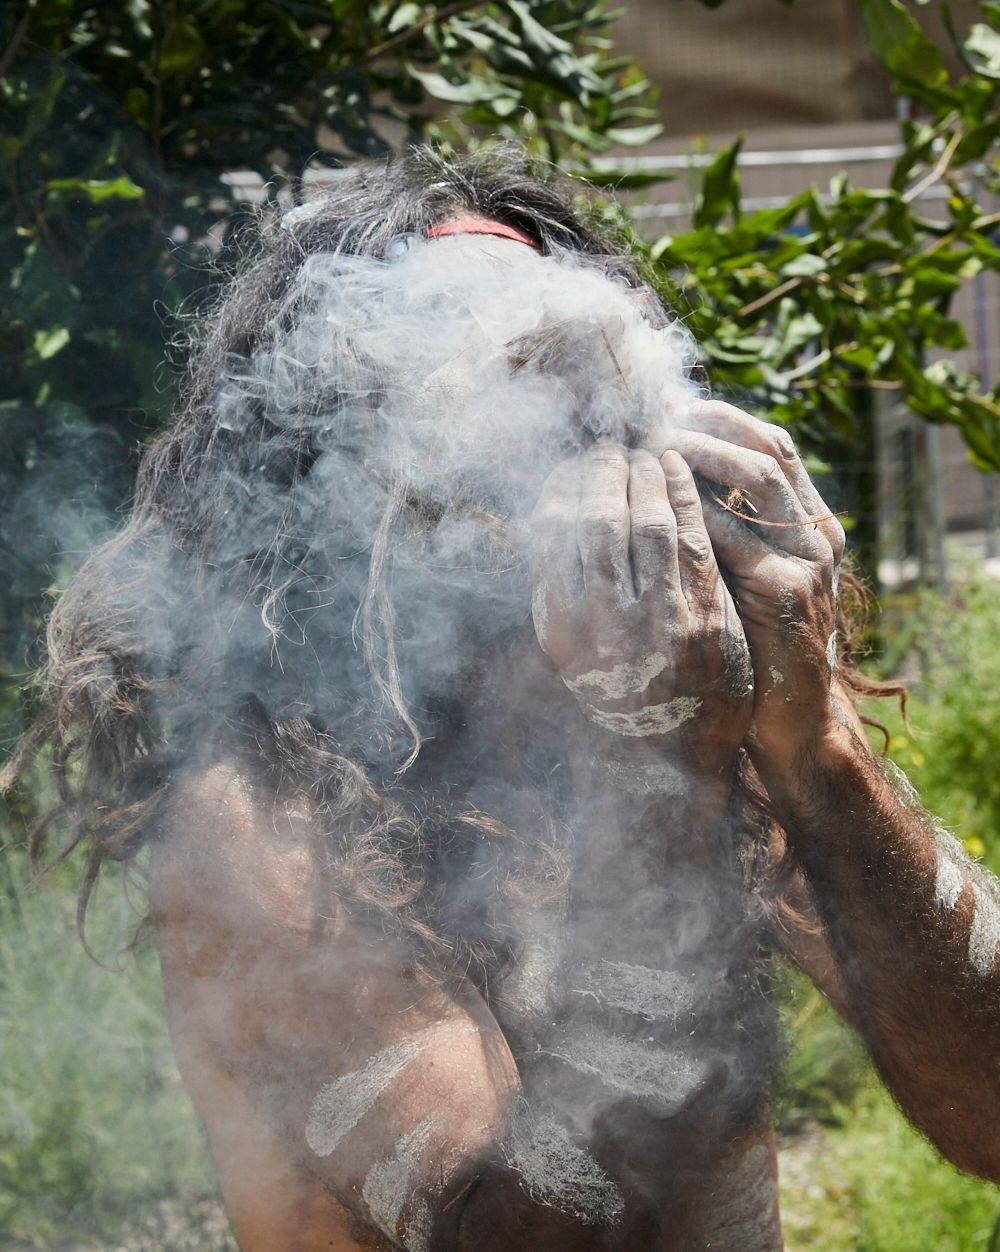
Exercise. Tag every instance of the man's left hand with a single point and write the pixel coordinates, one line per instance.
(783, 548)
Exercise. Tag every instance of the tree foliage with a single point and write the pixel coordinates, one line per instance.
(803, 306)
(122, 121)
(125, 121)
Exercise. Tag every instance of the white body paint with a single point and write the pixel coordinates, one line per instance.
(777, 677)
(657, 994)
(984, 934)
(390, 1182)
(621, 680)
(527, 988)
(648, 778)
(949, 878)
(903, 785)
(554, 1171)
(655, 719)
(831, 651)
(636, 1067)
(340, 1105)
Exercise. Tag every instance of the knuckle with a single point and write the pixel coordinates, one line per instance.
(653, 523)
(694, 546)
(609, 456)
(602, 530)
(782, 444)
(771, 473)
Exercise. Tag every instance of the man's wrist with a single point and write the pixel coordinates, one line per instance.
(799, 771)
(673, 770)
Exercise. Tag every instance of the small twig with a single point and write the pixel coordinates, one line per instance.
(807, 367)
(614, 360)
(763, 301)
(938, 172)
(738, 497)
(458, 1194)
(404, 36)
(10, 52)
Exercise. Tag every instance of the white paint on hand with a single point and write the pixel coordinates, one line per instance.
(635, 1067)
(339, 1105)
(621, 680)
(540, 613)
(655, 719)
(555, 1172)
(984, 935)
(657, 994)
(777, 677)
(390, 1183)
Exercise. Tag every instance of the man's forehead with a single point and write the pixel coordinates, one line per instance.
(476, 248)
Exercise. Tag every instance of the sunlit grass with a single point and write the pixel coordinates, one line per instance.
(855, 1176)
(94, 1125)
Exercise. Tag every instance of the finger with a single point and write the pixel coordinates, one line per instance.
(603, 522)
(653, 532)
(750, 561)
(698, 568)
(557, 573)
(766, 496)
(725, 421)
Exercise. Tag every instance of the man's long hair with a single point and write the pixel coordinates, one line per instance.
(166, 649)
(244, 614)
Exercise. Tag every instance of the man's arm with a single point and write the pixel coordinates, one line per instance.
(914, 924)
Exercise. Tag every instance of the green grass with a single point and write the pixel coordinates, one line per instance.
(856, 1177)
(95, 1128)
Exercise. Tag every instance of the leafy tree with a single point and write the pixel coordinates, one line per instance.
(121, 122)
(805, 308)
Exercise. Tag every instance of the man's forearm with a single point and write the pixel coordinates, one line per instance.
(915, 926)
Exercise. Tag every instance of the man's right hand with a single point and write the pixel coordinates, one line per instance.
(630, 607)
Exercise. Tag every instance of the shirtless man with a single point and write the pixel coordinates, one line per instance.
(381, 1059)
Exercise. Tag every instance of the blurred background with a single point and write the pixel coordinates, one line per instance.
(813, 186)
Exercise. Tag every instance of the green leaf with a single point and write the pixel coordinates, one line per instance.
(472, 91)
(804, 266)
(720, 188)
(901, 45)
(403, 17)
(982, 48)
(182, 49)
(634, 136)
(98, 190)
(47, 343)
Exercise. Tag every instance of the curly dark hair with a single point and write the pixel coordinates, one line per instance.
(161, 653)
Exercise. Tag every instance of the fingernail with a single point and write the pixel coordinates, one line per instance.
(673, 464)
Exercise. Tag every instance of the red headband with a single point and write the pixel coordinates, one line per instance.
(475, 225)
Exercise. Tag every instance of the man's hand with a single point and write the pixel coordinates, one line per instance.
(782, 547)
(631, 608)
